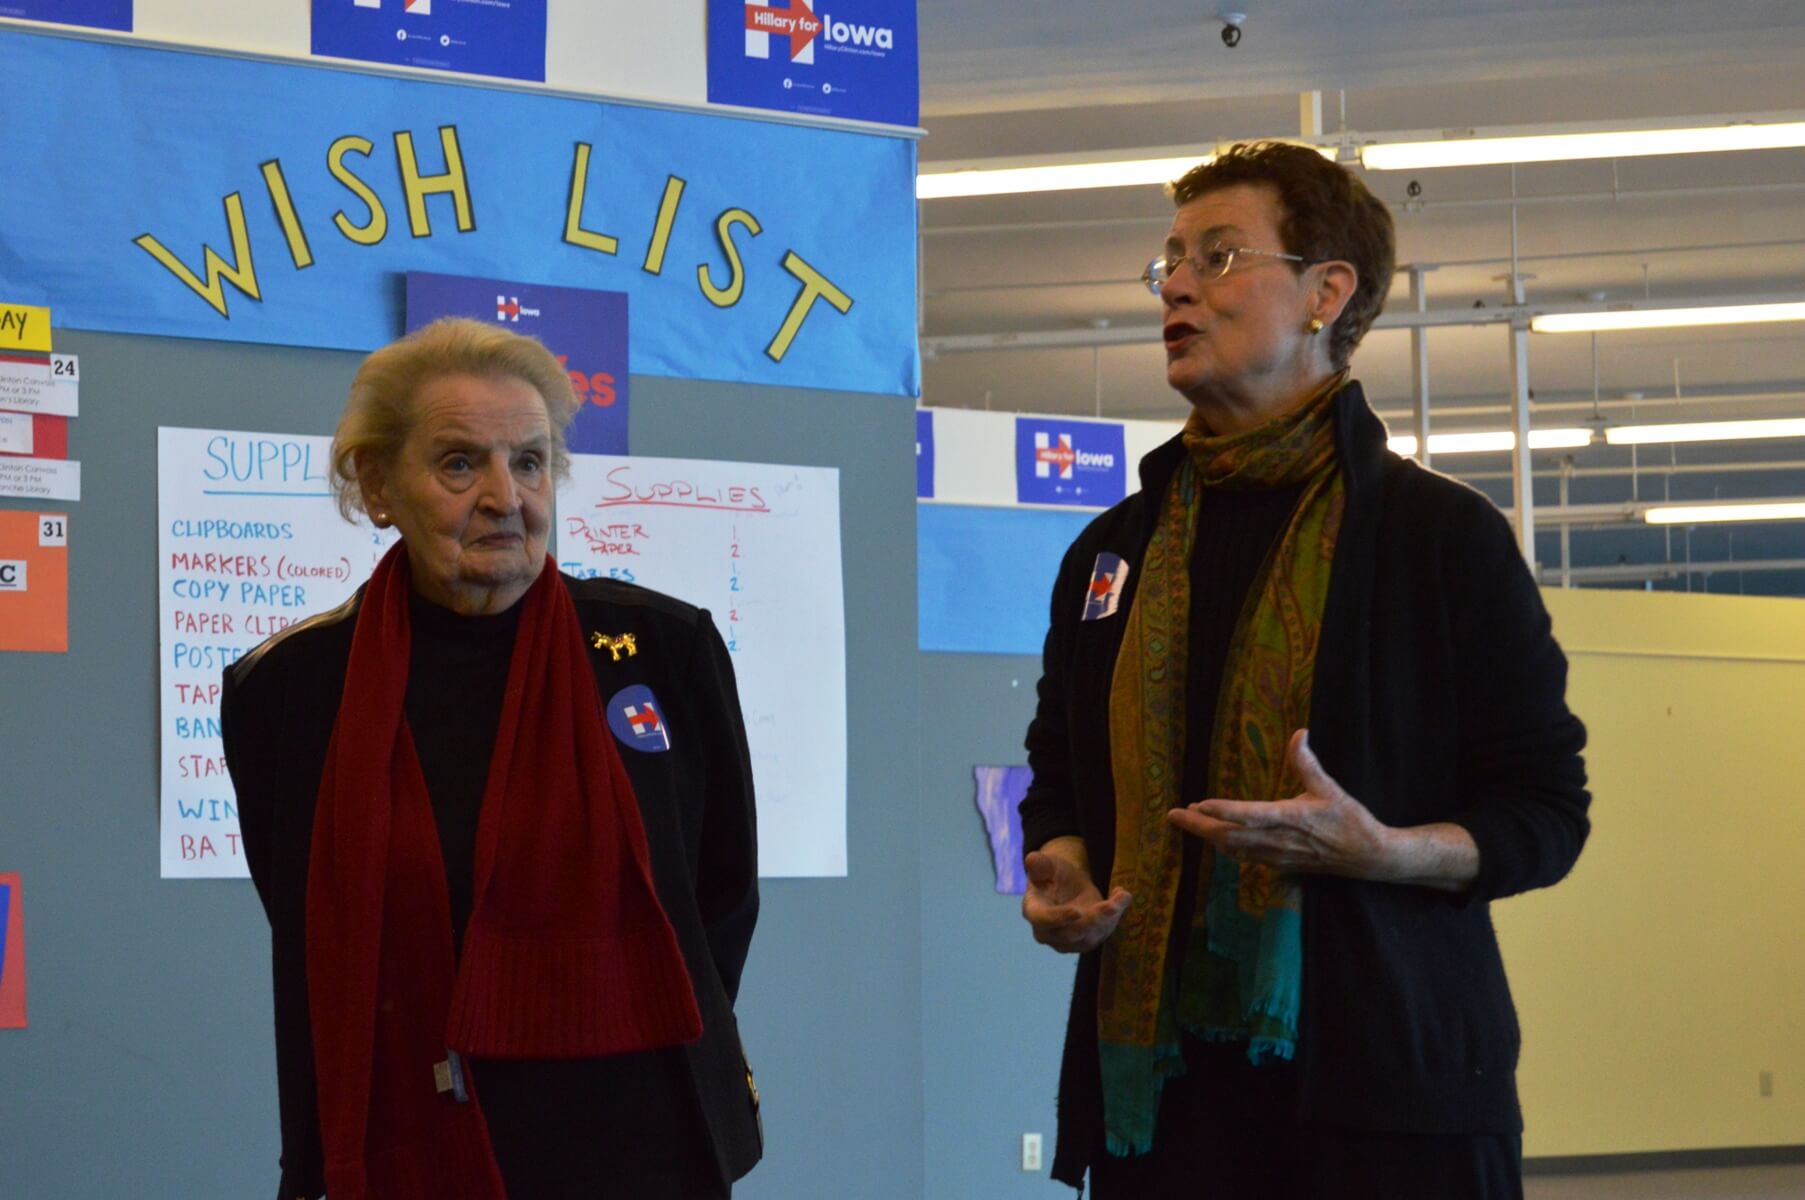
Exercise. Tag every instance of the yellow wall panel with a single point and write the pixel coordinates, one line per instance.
(1668, 971)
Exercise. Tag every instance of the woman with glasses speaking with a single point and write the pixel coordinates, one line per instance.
(1302, 719)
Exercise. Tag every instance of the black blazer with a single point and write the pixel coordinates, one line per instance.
(1439, 696)
(277, 711)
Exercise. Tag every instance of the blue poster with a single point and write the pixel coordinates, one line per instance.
(586, 330)
(477, 37)
(96, 14)
(833, 58)
(1069, 462)
(190, 206)
(924, 454)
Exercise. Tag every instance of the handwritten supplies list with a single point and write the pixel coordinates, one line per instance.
(249, 543)
(758, 546)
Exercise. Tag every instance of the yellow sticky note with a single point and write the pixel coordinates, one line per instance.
(24, 327)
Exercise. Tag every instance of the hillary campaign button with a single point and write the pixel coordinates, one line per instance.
(1105, 590)
(637, 719)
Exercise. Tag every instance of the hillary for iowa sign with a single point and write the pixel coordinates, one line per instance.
(152, 191)
(837, 58)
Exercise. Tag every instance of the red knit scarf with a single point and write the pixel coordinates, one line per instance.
(567, 955)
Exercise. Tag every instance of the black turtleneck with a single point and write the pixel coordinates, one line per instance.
(456, 675)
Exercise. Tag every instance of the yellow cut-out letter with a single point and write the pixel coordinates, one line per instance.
(574, 233)
(667, 216)
(298, 249)
(418, 187)
(814, 284)
(377, 227)
(727, 297)
(240, 271)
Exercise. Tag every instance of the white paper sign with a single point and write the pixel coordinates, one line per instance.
(759, 547)
(40, 478)
(34, 384)
(15, 433)
(249, 542)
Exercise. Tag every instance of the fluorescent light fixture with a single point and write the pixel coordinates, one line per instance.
(1068, 177)
(1494, 442)
(1706, 431)
(1061, 176)
(1700, 514)
(1667, 318)
(1562, 147)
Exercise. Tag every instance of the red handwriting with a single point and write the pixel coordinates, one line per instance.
(680, 493)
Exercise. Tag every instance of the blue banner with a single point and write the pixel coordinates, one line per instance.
(587, 331)
(96, 14)
(985, 575)
(1069, 462)
(924, 454)
(836, 58)
(478, 37)
(166, 194)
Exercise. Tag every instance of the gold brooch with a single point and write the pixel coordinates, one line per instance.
(614, 645)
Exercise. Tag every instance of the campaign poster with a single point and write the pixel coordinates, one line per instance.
(95, 14)
(586, 330)
(855, 59)
(505, 38)
(924, 454)
(1069, 462)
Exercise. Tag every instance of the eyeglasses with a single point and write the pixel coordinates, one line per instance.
(1216, 261)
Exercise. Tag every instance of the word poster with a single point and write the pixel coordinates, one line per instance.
(249, 542)
(758, 546)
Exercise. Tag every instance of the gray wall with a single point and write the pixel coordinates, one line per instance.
(994, 1001)
(148, 1067)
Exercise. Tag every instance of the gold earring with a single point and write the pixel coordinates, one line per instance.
(382, 520)
(1315, 324)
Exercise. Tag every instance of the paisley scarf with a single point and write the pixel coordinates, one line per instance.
(1241, 973)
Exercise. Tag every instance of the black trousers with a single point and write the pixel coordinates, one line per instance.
(621, 1128)
(1225, 1133)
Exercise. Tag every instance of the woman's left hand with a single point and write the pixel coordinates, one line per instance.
(1322, 830)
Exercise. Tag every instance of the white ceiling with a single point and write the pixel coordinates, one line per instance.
(1012, 78)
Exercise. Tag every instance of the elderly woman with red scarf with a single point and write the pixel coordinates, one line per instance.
(510, 871)
(1302, 719)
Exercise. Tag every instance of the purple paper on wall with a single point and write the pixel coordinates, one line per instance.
(1000, 792)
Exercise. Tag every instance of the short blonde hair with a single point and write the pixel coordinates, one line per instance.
(380, 411)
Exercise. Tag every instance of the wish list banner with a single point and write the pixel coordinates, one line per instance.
(166, 194)
(1069, 462)
(834, 58)
(586, 330)
(478, 37)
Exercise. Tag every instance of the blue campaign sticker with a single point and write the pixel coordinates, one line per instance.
(494, 37)
(1104, 595)
(584, 328)
(6, 896)
(924, 454)
(1069, 462)
(834, 58)
(96, 14)
(637, 719)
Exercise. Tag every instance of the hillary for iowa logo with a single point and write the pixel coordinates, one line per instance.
(797, 23)
(637, 719)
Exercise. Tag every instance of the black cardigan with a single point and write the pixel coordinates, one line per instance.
(1439, 696)
(277, 712)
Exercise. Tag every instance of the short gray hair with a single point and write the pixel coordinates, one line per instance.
(380, 410)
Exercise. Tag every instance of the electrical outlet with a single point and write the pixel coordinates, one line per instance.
(1767, 1085)
(1030, 1152)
